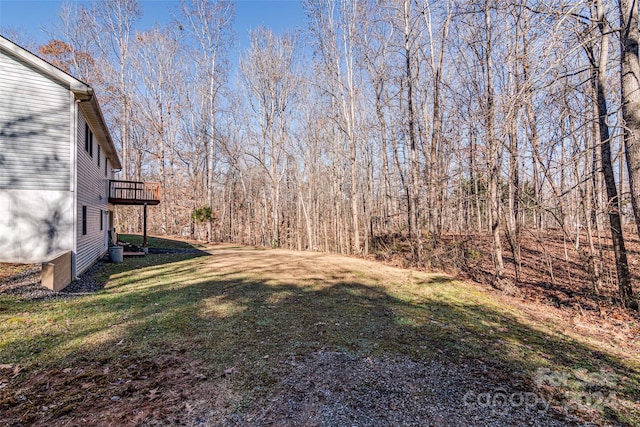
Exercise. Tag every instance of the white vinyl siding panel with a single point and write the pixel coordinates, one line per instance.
(92, 187)
(34, 129)
(35, 225)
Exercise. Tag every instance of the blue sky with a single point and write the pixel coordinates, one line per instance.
(32, 17)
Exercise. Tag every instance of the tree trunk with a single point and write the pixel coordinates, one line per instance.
(211, 145)
(494, 156)
(630, 86)
(599, 80)
(414, 227)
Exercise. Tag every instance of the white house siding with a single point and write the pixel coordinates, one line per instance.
(35, 225)
(34, 129)
(92, 192)
(36, 204)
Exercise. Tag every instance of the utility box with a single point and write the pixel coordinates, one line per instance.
(56, 273)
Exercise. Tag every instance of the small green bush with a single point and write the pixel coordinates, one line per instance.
(203, 214)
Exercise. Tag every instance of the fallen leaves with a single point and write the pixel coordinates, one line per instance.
(15, 369)
(153, 393)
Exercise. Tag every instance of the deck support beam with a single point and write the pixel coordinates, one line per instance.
(144, 236)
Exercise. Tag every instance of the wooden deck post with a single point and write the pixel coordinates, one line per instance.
(144, 237)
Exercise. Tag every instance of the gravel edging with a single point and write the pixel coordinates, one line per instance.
(27, 284)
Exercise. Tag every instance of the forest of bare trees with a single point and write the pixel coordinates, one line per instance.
(380, 125)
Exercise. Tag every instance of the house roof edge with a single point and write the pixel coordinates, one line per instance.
(81, 90)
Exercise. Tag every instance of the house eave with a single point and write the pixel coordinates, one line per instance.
(92, 112)
(62, 77)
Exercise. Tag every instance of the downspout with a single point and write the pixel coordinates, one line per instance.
(74, 185)
(78, 96)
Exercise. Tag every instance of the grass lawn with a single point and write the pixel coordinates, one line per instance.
(195, 334)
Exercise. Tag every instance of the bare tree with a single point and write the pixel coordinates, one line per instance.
(157, 100)
(269, 74)
(599, 82)
(334, 25)
(493, 148)
(209, 22)
(630, 88)
(113, 28)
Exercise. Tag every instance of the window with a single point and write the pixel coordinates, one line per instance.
(98, 155)
(88, 140)
(84, 220)
(105, 166)
(101, 220)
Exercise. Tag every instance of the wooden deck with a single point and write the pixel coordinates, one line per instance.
(135, 193)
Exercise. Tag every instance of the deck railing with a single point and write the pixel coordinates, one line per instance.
(134, 192)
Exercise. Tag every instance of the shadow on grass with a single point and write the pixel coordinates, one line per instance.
(181, 304)
(158, 242)
(161, 251)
